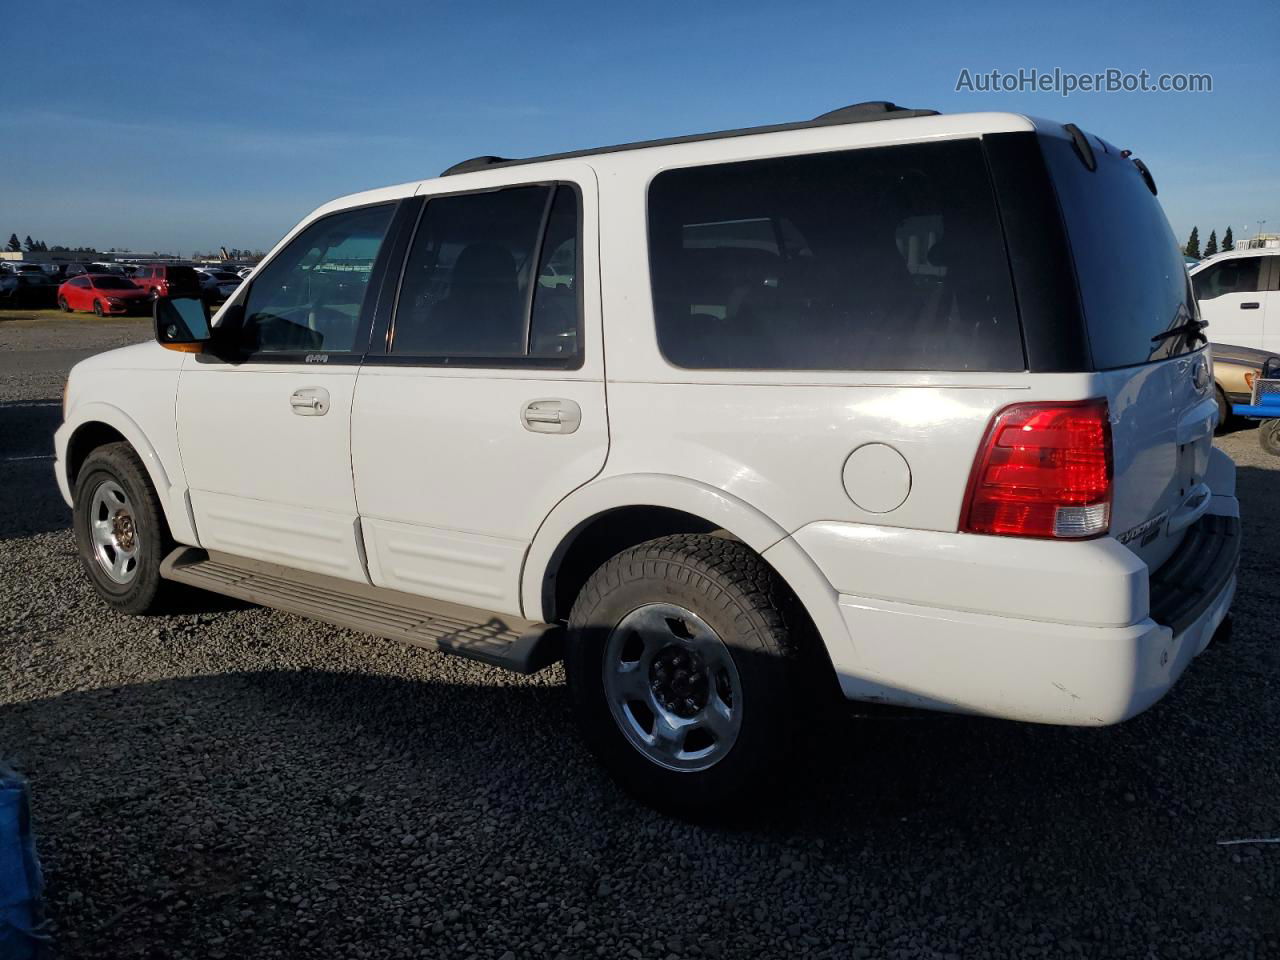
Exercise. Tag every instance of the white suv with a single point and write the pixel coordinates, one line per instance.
(726, 422)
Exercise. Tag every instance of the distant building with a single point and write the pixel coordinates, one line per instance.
(57, 256)
(1261, 241)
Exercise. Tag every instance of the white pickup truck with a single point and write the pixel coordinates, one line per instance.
(726, 422)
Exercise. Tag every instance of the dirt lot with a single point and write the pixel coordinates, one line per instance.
(235, 782)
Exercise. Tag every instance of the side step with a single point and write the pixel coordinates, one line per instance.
(496, 639)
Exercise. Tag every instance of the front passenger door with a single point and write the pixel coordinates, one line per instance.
(264, 428)
(1231, 299)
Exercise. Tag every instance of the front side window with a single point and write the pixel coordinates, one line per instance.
(1236, 275)
(887, 258)
(492, 277)
(310, 296)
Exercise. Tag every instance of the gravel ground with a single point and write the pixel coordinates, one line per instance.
(235, 782)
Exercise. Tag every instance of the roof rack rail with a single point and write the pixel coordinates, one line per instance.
(868, 110)
(476, 163)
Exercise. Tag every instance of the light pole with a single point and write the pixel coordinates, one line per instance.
(1258, 236)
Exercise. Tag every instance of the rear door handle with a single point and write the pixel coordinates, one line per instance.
(551, 416)
(310, 401)
(1251, 305)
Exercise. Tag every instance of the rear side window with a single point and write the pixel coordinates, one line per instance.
(492, 279)
(1237, 275)
(1132, 277)
(887, 258)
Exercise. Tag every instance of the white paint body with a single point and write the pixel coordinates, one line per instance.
(1249, 318)
(850, 484)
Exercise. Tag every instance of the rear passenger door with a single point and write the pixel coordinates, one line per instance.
(481, 403)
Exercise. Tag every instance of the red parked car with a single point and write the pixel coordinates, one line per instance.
(103, 293)
(167, 280)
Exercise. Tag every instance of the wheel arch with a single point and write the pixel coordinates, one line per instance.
(605, 517)
(95, 424)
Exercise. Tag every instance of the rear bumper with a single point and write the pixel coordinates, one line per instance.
(998, 663)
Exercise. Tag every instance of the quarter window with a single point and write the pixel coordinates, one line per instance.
(1236, 275)
(492, 277)
(877, 259)
(309, 297)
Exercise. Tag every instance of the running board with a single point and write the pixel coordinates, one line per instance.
(493, 638)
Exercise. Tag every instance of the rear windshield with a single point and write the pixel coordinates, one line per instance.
(182, 277)
(1132, 279)
(886, 258)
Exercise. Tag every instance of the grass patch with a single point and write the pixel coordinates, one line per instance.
(54, 315)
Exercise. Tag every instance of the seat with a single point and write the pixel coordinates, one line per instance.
(483, 314)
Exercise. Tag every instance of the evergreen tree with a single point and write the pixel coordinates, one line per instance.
(1211, 247)
(1228, 241)
(1192, 248)
(29, 243)
(14, 243)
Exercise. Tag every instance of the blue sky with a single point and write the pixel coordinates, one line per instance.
(186, 126)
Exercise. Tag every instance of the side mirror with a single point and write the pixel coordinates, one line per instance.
(182, 324)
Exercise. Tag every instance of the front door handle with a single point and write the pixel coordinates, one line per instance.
(1250, 305)
(310, 401)
(551, 416)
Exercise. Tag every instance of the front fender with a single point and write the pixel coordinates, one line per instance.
(165, 478)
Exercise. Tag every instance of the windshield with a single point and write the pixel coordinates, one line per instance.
(1133, 283)
(113, 283)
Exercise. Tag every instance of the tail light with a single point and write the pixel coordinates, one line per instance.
(1043, 470)
(1249, 377)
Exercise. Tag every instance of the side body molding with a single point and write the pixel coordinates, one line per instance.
(167, 479)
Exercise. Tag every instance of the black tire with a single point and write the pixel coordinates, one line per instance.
(146, 592)
(1269, 436)
(97, 308)
(1224, 410)
(63, 305)
(734, 592)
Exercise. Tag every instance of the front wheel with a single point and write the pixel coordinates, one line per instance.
(121, 535)
(63, 305)
(685, 673)
(1269, 436)
(97, 308)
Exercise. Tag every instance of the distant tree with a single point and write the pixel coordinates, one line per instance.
(29, 243)
(1228, 241)
(1192, 249)
(14, 243)
(1211, 247)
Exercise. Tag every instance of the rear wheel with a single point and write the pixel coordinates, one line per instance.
(63, 305)
(1224, 409)
(121, 535)
(1269, 436)
(97, 307)
(684, 669)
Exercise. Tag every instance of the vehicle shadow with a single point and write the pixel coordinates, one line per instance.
(238, 791)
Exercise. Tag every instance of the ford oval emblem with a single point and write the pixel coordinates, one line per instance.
(1200, 374)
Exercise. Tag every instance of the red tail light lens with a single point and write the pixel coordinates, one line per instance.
(1043, 470)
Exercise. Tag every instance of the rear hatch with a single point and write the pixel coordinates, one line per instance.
(1142, 328)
